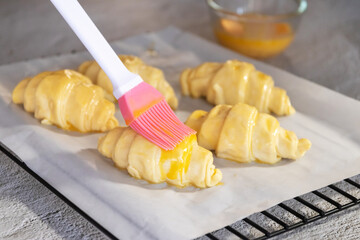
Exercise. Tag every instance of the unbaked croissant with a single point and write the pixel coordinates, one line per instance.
(187, 164)
(151, 75)
(242, 134)
(233, 82)
(66, 99)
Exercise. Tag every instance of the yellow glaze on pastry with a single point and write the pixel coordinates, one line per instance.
(66, 99)
(151, 75)
(187, 164)
(235, 82)
(241, 134)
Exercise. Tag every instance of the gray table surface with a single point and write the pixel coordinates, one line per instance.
(326, 51)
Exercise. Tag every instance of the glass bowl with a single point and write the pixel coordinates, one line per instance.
(256, 28)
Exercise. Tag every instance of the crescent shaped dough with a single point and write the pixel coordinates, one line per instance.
(149, 74)
(66, 99)
(188, 164)
(241, 134)
(235, 82)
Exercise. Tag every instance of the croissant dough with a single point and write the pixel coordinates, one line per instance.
(66, 99)
(235, 82)
(151, 75)
(242, 134)
(187, 164)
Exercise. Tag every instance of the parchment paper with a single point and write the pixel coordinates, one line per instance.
(134, 209)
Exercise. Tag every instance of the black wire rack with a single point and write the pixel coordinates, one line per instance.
(279, 219)
(293, 213)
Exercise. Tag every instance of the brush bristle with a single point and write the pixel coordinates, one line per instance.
(161, 126)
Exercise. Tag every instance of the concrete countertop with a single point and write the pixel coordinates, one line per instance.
(326, 51)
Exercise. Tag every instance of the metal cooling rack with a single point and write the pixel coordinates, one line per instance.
(293, 213)
(281, 218)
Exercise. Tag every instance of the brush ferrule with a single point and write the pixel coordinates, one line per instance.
(138, 100)
(131, 83)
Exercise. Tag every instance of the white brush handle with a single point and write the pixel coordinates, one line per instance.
(121, 79)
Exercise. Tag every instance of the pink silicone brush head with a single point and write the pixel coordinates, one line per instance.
(147, 112)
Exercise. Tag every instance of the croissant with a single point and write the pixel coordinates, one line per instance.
(241, 134)
(66, 99)
(151, 75)
(235, 82)
(188, 164)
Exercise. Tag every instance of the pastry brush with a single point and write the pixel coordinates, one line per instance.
(143, 107)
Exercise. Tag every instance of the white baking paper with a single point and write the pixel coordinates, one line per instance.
(134, 209)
